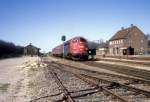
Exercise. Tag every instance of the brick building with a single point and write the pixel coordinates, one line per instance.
(128, 41)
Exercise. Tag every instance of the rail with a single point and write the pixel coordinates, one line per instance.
(66, 95)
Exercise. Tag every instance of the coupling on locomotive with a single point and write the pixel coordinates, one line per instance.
(76, 48)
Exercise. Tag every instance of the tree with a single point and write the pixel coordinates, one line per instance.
(8, 49)
(148, 36)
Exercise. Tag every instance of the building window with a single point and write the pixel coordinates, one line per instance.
(121, 41)
(141, 41)
(113, 50)
(118, 41)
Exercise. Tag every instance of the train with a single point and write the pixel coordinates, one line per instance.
(76, 48)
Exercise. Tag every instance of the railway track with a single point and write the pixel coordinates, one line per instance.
(123, 88)
(100, 87)
(121, 69)
(65, 93)
(100, 93)
(71, 92)
(136, 62)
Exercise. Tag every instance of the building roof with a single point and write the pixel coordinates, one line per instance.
(123, 33)
(31, 46)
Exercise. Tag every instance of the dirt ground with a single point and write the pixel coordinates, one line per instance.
(12, 79)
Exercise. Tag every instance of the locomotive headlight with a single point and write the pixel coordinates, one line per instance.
(89, 51)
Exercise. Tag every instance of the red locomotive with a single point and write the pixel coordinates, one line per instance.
(75, 48)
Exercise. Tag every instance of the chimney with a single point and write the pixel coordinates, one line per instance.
(132, 25)
(122, 28)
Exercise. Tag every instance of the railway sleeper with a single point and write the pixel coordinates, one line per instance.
(145, 92)
(101, 88)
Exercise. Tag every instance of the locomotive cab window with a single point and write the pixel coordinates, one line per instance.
(82, 40)
(74, 41)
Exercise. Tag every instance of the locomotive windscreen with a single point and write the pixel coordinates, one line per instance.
(82, 40)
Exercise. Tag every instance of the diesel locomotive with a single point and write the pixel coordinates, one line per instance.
(75, 48)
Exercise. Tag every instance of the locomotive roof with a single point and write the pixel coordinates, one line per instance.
(77, 37)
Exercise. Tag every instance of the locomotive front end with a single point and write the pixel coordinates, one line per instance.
(79, 48)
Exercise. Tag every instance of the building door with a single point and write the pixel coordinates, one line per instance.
(117, 50)
(113, 51)
(124, 51)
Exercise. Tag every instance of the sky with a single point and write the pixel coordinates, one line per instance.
(43, 22)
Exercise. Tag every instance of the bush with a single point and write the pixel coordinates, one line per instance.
(8, 49)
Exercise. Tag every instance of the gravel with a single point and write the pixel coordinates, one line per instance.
(37, 84)
(79, 90)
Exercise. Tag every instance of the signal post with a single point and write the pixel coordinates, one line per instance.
(63, 38)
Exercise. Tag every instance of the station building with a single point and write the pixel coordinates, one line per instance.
(131, 41)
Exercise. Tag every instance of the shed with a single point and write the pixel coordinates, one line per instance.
(31, 50)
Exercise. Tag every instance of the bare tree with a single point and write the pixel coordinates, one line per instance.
(148, 36)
